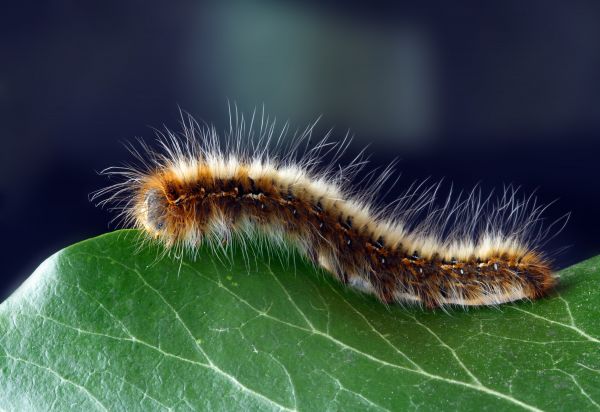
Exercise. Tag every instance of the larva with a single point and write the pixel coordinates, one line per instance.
(200, 187)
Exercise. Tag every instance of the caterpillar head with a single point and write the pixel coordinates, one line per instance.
(154, 215)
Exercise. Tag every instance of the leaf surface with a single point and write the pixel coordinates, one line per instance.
(104, 325)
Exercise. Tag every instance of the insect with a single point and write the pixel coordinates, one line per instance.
(200, 187)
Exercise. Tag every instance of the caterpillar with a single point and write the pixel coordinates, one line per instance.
(253, 181)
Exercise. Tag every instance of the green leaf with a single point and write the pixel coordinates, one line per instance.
(105, 325)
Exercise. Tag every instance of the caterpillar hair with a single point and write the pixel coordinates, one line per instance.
(254, 183)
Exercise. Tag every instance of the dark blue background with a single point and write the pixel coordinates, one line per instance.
(503, 93)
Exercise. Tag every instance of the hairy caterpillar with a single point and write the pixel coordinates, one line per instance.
(200, 187)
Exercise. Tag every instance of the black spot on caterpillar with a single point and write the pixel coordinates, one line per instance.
(201, 188)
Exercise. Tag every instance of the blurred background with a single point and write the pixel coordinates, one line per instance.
(505, 93)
